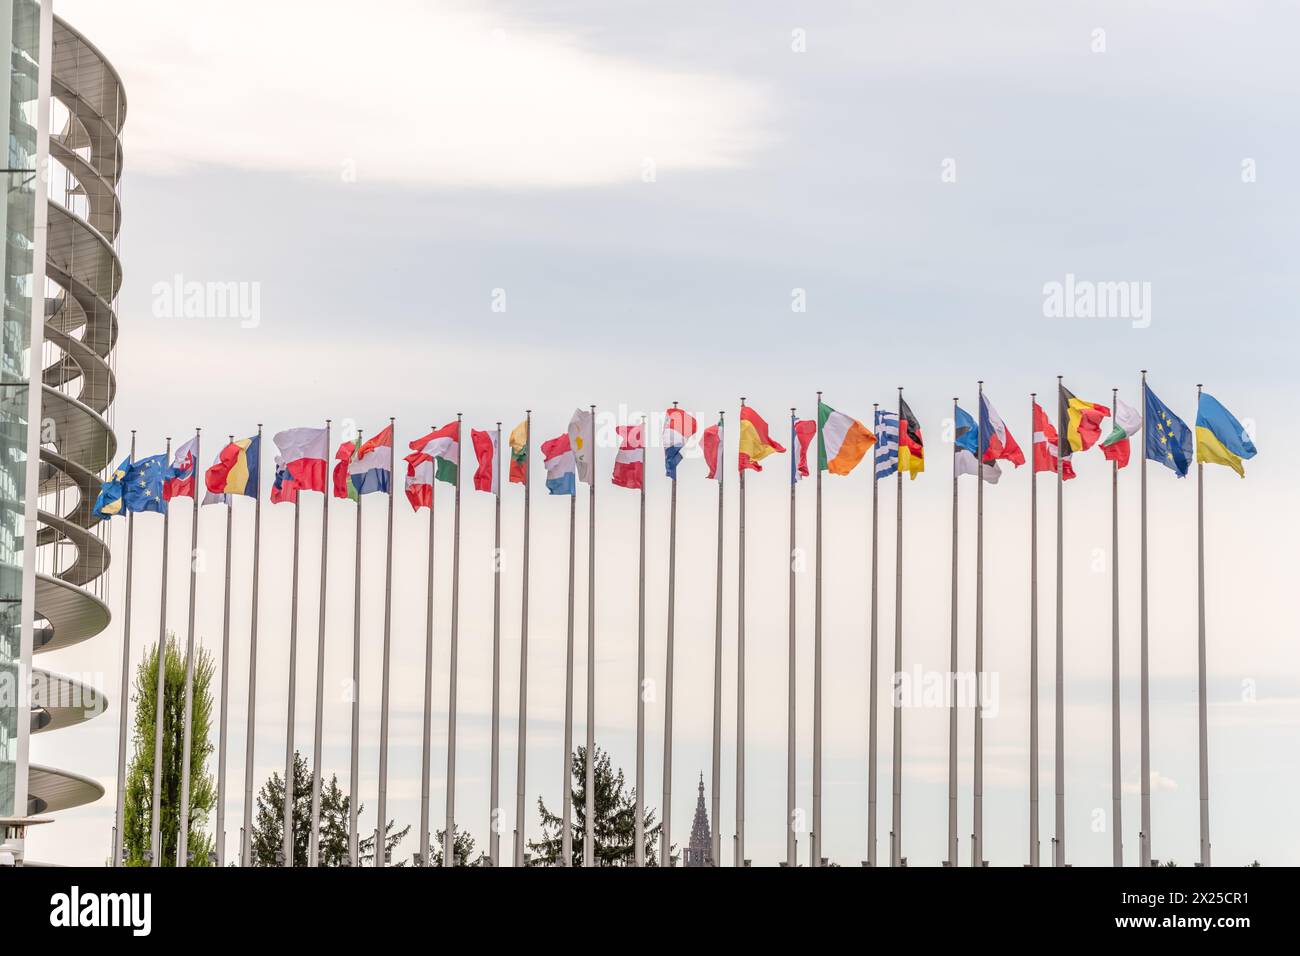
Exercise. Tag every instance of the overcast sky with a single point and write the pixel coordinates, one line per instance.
(651, 190)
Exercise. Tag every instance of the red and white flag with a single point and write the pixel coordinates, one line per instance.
(710, 440)
(485, 450)
(1046, 445)
(180, 484)
(629, 463)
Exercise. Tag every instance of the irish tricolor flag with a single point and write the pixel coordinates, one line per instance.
(842, 441)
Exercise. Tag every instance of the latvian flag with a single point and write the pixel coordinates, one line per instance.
(1046, 441)
(629, 463)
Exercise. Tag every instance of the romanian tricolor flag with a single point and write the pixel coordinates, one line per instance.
(234, 472)
(755, 443)
(1079, 421)
(911, 451)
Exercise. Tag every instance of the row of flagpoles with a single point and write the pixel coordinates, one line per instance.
(896, 447)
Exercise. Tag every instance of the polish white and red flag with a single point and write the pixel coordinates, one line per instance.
(629, 463)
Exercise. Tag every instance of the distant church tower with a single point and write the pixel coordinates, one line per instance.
(700, 850)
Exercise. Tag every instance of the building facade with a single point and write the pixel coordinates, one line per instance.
(63, 109)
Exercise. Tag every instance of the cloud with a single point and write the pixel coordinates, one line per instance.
(431, 95)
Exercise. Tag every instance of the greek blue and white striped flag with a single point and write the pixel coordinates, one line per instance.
(886, 443)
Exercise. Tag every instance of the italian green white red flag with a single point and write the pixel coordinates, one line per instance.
(842, 441)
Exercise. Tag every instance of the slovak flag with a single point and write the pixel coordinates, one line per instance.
(180, 476)
(561, 468)
(679, 426)
(300, 466)
(996, 437)
(629, 463)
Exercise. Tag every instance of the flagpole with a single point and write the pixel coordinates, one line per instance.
(286, 846)
(665, 831)
(1117, 831)
(250, 723)
(1144, 837)
(952, 666)
(1058, 841)
(716, 796)
(1202, 715)
(872, 717)
(790, 837)
(354, 765)
(183, 834)
(521, 776)
(896, 830)
(589, 835)
(638, 825)
(494, 796)
(426, 742)
(816, 841)
(977, 804)
(225, 688)
(119, 814)
(160, 698)
(1033, 644)
(449, 835)
(740, 681)
(313, 849)
(566, 839)
(381, 818)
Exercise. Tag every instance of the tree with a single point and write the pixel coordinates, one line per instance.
(268, 830)
(464, 849)
(615, 821)
(137, 819)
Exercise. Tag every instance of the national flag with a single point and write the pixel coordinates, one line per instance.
(710, 444)
(485, 450)
(755, 443)
(1126, 423)
(142, 488)
(442, 445)
(235, 472)
(369, 467)
(110, 503)
(1169, 440)
(561, 469)
(679, 426)
(1220, 438)
(996, 438)
(300, 466)
(966, 437)
(629, 462)
(1080, 421)
(519, 454)
(582, 442)
(1046, 445)
(419, 480)
(886, 443)
(804, 430)
(842, 441)
(180, 476)
(911, 450)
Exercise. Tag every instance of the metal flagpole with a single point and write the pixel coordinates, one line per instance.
(665, 832)
(449, 835)
(183, 836)
(246, 834)
(1117, 831)
(426, 743)
(872, 716)
(977, 803)
(740, 680)
(521, 756)
(790, 837)
(1033, 644)
(716, 797)
(566, 841)
(638, 825)
(160, 699)
(816, 836)
(354, 766)
(952, 676)
(313, 846)
(225, 689)
(1202, 715)
(286, 847)
(589, 835)
(494, 796)
(1144, 838)
(1058, 841)
(896, 831)
(119, 814)
(381, 817)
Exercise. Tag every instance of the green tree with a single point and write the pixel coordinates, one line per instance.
(138, 814)
(615, 821)
(464, 849)
(268, 829)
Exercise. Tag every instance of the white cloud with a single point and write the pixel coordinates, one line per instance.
(422, 94)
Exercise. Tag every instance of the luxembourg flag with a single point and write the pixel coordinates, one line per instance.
(629, 463)
(300, 466)
(180, 481)
(996, 437)
(679, 426)
(561, 469)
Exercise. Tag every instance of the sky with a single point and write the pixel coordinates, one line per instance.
(488, 207)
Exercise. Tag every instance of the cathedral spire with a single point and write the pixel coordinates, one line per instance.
(699, 852)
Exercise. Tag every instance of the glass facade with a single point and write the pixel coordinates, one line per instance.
(20, 22)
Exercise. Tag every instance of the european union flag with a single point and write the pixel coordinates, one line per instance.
(109, 502)
(143, 486)
(1168, 439)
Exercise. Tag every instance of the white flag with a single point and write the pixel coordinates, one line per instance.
(582, 441)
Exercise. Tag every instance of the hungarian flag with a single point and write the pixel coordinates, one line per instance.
(911, 451)
(1080, 421)
(1046, 441)
(1126, 423)
(434, 457)
(629, 463)
(485, 450)
(519, 454)
(842, 441)
(711, 444)
(804, 431)
(755, 443)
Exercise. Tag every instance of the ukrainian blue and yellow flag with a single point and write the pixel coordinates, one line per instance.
(1168, 439)
(1220, 438)
(109, 504)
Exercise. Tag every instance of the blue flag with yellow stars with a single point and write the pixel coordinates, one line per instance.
(1169, 440)
(110, 503)
(143, 485)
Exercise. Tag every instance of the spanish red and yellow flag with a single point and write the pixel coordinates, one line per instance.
(1079, 421)
(755, 443)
